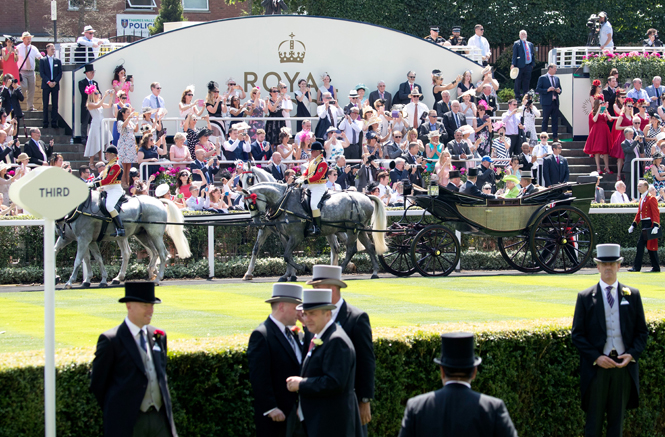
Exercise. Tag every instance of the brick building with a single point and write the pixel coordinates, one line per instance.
(73, 15)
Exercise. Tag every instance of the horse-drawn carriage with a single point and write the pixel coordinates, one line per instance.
(548, 230)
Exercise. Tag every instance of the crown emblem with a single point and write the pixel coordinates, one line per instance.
(291, 51)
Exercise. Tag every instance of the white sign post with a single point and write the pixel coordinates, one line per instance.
(49, 192)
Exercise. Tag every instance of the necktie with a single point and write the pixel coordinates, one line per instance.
(311, 345)
(415, 117)
(157, 99)
(332, 121)
(657, 94)
(292, 341)
(610, 298)
(411, 85)
(557, 159)
(144, 344)
(381, 95)
(456, 119)
(552, 81)
(528, 54)
(353, 136)
(50, 61)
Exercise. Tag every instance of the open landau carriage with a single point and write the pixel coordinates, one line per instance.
(548, 230)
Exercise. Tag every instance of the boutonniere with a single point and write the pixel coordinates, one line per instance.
(156, 337)
(625, 291)
(295, 329)
(317, 342)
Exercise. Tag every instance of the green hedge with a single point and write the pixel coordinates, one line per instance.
(535, 372)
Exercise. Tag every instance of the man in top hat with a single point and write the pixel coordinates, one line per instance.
(648, 216)
(471, 188)
(454, 180)
(525, 183)
(455, 409)
(28, 55)
(110, 181)
(524, 60)
(355, 323)
(316, 177)
(455, 39)
(328, 406)
(402, 95)
(129, 371)
(416, 111)
(610, 332)
(434, 36)
(85, 114)
(275, 353)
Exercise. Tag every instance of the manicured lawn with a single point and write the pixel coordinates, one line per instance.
(204, 310)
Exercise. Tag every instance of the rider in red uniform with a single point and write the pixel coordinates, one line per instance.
(110, 181)
(316, 177)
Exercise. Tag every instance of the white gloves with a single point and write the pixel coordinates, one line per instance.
(654, 231)
(90, 184)
(631, 229)
(300, 181)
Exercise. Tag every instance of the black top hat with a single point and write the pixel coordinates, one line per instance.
(454, 174)
(473, 172)
(111, 149)
(317, 146)
(457, 351)
(140, 292)
(205, 132)
(89, 67)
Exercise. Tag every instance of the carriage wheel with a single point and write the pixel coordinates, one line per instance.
(562, 239)
(397, 260)
(517, 253)
(435, 251)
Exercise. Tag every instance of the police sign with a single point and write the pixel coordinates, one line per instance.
(48, 192)
(134, 24)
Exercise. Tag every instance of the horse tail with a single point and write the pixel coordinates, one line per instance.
(176, 232)
(379, 223)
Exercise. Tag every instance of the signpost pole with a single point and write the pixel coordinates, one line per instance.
(49, 326)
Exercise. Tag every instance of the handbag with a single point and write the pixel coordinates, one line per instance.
(20, 76)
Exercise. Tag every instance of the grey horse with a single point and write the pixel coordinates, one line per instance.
(345, 209)
(154, 212)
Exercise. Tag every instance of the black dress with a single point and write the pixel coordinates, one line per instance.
(274, 127)
(461, 86)
(218, 113)
(437, 96)
(150, 153)
(302, 110)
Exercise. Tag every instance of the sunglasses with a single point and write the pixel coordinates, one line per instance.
(216, 92)
(123, 98)
(395, 136)
(273, 92)
(412, 77)
(158, 88)
(189, 95)
(232, 84)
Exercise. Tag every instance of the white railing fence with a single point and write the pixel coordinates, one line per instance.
(68, 55)
(572, 57)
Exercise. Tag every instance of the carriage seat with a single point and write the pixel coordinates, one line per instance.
(102, 203)
(305, 197)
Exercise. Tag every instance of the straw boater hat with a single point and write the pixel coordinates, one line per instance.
(353, 93)
(316, 299)
(415, 92)
(514, 72)
(486, 70)
(289, 293)
(87, 29)
(457, 351)
(140, 292)
(26, 35)
(608, 253)
(242, 126)
(332, 129)
(327, 275)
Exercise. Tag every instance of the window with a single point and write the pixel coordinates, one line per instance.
(74, 5)
(141, 4)
(195, 5)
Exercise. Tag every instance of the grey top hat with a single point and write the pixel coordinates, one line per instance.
(327, 275)
(526, 174)
(457, 351)
(316, 299)
(290, 293)
(608, 253)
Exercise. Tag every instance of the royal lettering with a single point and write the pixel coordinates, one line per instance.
(272, 78)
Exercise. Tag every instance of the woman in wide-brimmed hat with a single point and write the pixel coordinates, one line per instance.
(6, 181)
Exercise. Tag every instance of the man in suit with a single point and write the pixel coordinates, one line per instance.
(648, 216)
(525, 158)
(455, 409)
(201, 169)
(328, 405)
(524, 60)
(459, 150)
(381, 93)
(526, 186)
(431, 125)
(368, 172)
(454, 180)
(276, 168)
(610, 96)
(84, 173)
(555, 167)
(631, 149)
(85, 114)
(417, 164)
(610, 332)
(398, 173)
(274, 353)
(486, 174)
(36, 149)
(655, 90)
(50, 69)
(402, 95)
(443, 105)
(470, 187)
(356, 324)
(549, 88)
(454, 119)
(261, 150)
(489, 98)
(129, 371)
(344, 174)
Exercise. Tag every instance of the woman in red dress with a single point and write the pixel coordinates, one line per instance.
(10, 59)
(620, 104)
(599, 141)
(624, 120)
(642, 106)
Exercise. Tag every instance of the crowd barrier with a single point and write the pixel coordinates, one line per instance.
(572, 57)
(634, 175)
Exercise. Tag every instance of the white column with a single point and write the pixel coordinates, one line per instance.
(49, 326)
(211, 251)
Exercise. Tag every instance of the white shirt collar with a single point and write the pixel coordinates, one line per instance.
(338, 305)
(458, 382)
(279, 324)
(604, 286)
(323, 331)
(135, 329)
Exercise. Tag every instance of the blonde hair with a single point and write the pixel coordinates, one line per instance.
(179, 136)
(120, 93)
(254, 91)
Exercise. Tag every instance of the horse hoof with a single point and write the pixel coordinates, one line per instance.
(85, 285)
(247, 277)
(115, 282)
(103, 285)
(282, 279)
(375, 276)
(293, 279)
(68, 286)
(153, 277)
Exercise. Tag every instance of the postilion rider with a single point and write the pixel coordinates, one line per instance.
(315, 176)
(110, 181)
